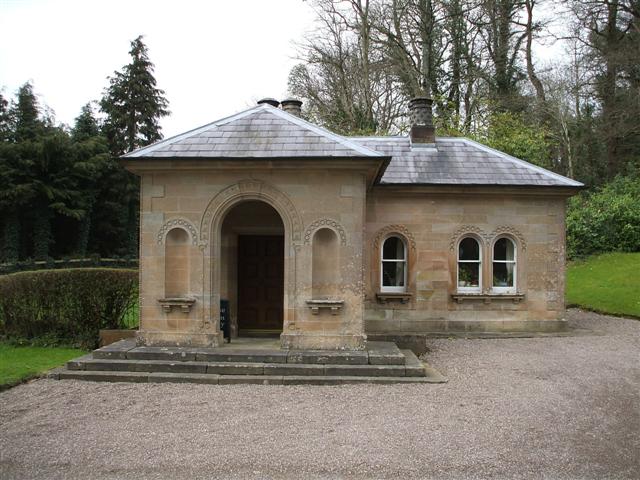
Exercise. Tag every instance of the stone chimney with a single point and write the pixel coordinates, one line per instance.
(271, 101)
(421, 118)
(292, 106)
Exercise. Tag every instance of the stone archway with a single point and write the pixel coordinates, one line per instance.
(210, 240)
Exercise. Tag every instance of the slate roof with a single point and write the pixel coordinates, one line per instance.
(457, 161)
(268, 132)
(260, 132)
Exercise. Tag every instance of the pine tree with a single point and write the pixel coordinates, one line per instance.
(5, 127)
(133, 104)
(86, 125)
(25, 114)
(92, 162)
(23, 126)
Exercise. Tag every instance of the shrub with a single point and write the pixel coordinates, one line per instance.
(65, 306)
(606, 220)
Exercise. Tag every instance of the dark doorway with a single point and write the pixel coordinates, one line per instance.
(260, 284)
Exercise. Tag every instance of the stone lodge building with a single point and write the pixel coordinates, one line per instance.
(326, 239)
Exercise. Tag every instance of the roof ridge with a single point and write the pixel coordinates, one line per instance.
(326, 133)
(334, 137)
(194, 131)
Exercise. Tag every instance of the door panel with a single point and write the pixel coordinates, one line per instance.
(260, 282)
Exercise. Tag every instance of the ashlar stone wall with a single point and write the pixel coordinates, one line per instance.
(432, 224)
(196, 197)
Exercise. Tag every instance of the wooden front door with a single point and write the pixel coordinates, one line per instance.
(260, 283)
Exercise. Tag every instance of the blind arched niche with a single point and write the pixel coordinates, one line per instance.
(326, 264)
(176, 263)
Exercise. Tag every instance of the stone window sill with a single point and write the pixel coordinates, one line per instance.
(386, 297)
(184, 303)
(488, 297)
(333, 305)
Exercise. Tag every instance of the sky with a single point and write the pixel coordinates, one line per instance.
(212, 58)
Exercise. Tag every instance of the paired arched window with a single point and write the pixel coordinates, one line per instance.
(393, 269)
(469, 265)
(504, 265)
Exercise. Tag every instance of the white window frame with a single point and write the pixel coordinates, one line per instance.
(477, 289)
(389, 289)
(512, 289)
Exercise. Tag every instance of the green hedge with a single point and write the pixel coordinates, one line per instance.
(65, 306)
(606, 220)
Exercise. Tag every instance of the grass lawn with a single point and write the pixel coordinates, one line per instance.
(20, 363)
(607, 283)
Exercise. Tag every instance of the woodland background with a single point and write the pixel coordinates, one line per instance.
(63, 193)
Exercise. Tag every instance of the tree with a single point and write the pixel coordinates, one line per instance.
(48, 180)
(132, 103)
(23, 126)
(5, 125)
(133, 106)
(609, 32)
(343, 77)
(92, 162)
(86, 125)
(512, 134)
(25, 115)
(502, 39)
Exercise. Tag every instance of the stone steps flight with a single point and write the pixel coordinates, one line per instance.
(381, 362)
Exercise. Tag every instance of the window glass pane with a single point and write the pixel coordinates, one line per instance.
(393, 249)
(468, 275)
(503, 274)
(393, 274)
(503, 250)
(469, 249)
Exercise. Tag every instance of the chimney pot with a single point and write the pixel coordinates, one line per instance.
(270, 101)
(292, 106)
(421, 118)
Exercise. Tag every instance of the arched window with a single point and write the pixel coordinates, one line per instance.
(504, 265)
(394, 265)
(469, 265)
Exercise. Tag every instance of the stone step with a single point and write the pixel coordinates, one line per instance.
(167, 377)
(413, 368)
(377, 353)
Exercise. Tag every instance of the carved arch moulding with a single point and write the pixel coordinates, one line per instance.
(487, 237)
(177, 223)
(251, 190)
(466, 230)
(401, 229)
(509, 230)
(325, 222)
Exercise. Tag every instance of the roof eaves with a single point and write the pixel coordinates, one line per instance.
(566, 181)
(480, 186)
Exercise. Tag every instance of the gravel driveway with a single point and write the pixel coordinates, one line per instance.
(553, 407)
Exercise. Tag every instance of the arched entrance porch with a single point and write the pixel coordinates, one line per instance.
(211, 243)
